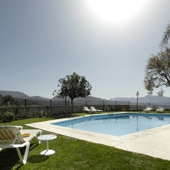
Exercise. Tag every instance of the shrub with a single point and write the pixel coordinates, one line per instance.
(8, 117)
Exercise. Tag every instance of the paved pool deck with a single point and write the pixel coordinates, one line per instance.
(153, 142)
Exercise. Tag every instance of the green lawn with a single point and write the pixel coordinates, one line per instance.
(74, 154)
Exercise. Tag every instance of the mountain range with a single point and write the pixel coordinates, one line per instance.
(146, 99)
(21, 95)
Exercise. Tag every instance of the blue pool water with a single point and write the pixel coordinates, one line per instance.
(117, 124)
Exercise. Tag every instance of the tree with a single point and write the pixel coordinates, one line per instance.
(73, 86)
(158, 71)
(166, 36)
(8, 99)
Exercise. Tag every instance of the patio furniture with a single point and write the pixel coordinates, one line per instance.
(160, 110)
(47, 138)
(107, 109)
(86, 109)
(13, 137)
(93, 109)
(148, 109)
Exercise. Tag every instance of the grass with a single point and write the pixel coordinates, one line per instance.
(74, 154)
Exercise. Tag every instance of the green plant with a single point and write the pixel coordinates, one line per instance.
(8, 117)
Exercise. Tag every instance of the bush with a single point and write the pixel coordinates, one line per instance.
(8, 117)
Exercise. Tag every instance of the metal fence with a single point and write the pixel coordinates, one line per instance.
(154, 106)
(50, 103)
(39, 103)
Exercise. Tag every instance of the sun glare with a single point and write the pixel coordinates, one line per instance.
(116, 10)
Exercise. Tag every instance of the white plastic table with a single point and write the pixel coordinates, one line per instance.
(47, 138)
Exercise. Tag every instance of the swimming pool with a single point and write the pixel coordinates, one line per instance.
(153, 142)
(116, 124)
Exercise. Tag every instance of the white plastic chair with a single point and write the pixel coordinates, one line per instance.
(86, 109)
(11, 137)
(148, 109)
(160, 110)
(93, 109)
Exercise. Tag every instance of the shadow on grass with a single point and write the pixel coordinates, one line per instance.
(33, 145)
(37, 158)
(9, 158)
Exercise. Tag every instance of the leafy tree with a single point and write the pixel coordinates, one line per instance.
(166, 36)
(73, 86)
(8, 98)
(158, 71)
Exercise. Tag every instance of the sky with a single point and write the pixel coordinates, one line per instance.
(42, 41)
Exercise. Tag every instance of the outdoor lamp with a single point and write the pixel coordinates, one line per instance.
(137, 94)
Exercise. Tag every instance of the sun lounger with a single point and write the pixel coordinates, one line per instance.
(148, 109)
(15, 137)
(93, 109)
(86, 109)
(160, 110)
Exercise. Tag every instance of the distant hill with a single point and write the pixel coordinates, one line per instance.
(83, 98)
(14, 94)
(94, 100)
(146, 99)
(20, 95)
(39, 98)
(89, 99)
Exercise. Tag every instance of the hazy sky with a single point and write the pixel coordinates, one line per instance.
(42, 41)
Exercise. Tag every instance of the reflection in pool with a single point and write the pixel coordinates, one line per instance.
(117, 124)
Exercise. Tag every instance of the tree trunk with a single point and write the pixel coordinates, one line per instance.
(72, 105)
(65, 101)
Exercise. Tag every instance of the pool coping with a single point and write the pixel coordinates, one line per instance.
(154, 142)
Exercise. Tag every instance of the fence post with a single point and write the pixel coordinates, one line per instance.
(103, 105)
(51, 106)
(1, 99)
(25, 102)
(65, 102)
(129, 105)
(116, 105)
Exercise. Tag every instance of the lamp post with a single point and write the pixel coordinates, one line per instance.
(137, 94)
